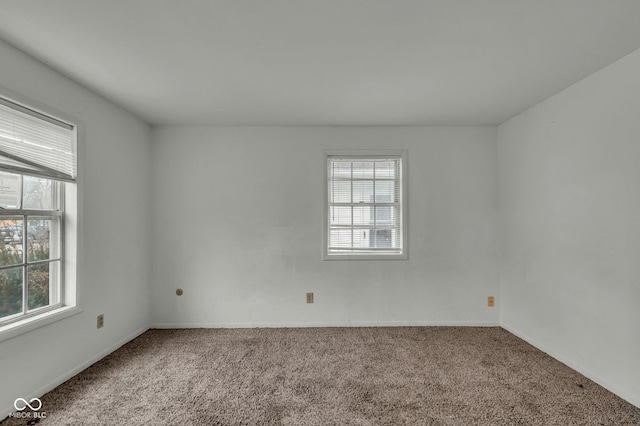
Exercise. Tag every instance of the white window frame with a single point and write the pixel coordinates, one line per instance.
(70, 237)
(400, 154)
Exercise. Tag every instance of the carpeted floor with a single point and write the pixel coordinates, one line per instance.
(331, 376)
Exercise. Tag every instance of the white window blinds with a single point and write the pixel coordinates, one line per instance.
(34, 144)
(365, 205)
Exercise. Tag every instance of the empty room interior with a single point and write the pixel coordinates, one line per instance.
(320, 212)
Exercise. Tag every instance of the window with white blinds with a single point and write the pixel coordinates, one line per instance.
(364, 206)
(38, 217)
(35, 144)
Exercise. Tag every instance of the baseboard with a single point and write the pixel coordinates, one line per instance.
(69, 374)
(328, 324)
(631, 399)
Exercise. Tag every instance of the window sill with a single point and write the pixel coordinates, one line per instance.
(18, 328)
(365, 257)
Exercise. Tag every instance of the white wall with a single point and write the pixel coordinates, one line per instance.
(569, 173)
(238, 225)
(236, 220)
(114, 266)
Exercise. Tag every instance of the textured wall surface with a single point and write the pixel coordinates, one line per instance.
(570, 226)
(238, 225)
(113, 272)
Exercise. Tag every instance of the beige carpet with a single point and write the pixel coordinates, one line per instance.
(331, 376)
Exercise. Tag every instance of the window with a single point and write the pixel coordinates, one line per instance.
(30, 240)
(365, 212)
(37, 167)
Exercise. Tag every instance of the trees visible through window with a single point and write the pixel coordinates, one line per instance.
(30, 241)
(37, 161)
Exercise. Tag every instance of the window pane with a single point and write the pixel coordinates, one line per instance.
(340, 169)
(42, 284)
(363, 191)
(39, 193)
(386, 191)
(340, 237)
(385, 169)
(10, 242)
(386, 215)
(340, 215)
(361, 238)
(42, 243)
(384, 238)
(10, 291)
(10, 190)
(363, 169)
(339, 191)
(363, 215)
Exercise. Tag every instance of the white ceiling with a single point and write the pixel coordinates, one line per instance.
(324, 62)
